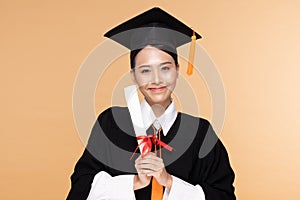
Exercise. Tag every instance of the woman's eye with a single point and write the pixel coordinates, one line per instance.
(165, 68)
(145, 71)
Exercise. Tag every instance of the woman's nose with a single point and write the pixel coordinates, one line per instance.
(155, 77)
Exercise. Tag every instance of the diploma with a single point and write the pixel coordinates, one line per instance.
(134, 106)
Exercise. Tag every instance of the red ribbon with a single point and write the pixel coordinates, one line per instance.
(147, 141)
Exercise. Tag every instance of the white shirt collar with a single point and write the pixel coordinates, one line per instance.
(166, 120)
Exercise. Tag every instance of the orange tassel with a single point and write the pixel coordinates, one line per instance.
(191, 55)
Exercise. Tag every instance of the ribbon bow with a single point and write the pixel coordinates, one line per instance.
(147, 141)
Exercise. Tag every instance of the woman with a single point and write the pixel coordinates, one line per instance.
(105, 170)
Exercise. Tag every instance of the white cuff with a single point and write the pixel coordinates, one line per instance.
(107, 187)
(184, 190)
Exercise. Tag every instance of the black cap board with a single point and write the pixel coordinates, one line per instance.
(154, 26)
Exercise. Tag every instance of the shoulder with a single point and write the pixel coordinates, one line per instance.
(202, 123)
(111, 112)
(116, 117)
(206, 137)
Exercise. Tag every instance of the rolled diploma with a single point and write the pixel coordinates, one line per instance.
(134, 106)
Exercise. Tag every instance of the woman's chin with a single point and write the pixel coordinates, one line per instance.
(160, 101)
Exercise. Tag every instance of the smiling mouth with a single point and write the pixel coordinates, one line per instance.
(158, 89)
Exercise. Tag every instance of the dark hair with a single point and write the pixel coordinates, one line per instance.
(169, 50)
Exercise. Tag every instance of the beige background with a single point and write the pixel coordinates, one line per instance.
(255, 45)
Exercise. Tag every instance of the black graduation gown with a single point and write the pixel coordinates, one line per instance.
(112, 142)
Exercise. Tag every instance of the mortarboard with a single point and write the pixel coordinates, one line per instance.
(154, 27)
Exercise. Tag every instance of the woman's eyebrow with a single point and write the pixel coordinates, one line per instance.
(147, 66)
(144, 66)
(165, 63)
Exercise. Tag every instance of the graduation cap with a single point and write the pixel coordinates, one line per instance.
(155, 27)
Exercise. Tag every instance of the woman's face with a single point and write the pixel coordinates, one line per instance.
(155, 73)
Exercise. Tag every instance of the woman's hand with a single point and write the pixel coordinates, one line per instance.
(141, 180)
(151, 165)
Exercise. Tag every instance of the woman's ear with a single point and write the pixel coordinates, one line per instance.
(132, 75)
(177, 70)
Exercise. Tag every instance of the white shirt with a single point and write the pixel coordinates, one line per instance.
(120, 187)
(166, 120)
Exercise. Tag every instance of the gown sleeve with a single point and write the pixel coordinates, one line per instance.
(213, 170)
(97, 159)
(106, 187)
(88, 165)
(82, 178)
(184, 190)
